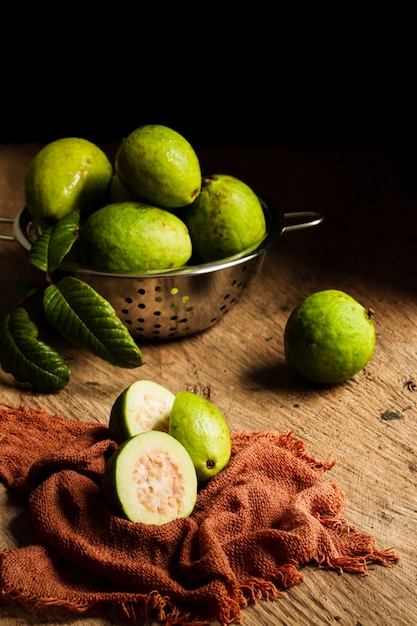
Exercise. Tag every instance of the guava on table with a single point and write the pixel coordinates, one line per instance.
(201, 428)
(150, 478)
(134, 237)
(65, 175)
(159, 166)
(144, 405)
(329, 337)
(226, 218)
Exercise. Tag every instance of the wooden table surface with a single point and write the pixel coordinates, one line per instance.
(367, 246)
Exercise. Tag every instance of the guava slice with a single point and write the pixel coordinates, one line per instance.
(329, 337)
(144, 405)
(150, 478)
(201, 428)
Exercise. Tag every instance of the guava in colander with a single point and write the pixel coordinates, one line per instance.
(226, 218)
(118, 192)
(159, 166)
(134, 237)
(65, 175)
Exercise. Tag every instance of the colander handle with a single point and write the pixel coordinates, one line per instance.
(6, 220)
(296, 220)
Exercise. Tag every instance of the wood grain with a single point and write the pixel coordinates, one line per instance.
(367, 246)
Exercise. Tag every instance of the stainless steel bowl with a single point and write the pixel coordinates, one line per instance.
(185, 301)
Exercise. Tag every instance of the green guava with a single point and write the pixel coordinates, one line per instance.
(67, 174)
(159, 166)
(134, 237)
(329, 337)
(144, 405)
(150, 478)
(201, 428)
(118, 192)
(225, 219)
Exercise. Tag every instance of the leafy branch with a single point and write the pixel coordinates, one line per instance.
(73, 308)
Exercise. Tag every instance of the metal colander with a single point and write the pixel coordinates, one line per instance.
(182, 302)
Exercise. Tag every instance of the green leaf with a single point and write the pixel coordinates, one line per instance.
(86, 319)
(28, 359)
(38, 254)
(54, 244)
(63, 237)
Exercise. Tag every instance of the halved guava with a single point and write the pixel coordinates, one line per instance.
(150, 478)
(144, 405)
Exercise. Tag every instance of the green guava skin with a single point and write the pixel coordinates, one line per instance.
(225, 219)
(118, 192)
(134, 237)
(201, 428)
(329, 337)
(159, 166)
(66, 174)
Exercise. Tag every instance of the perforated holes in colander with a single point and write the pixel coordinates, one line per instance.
(181, 323)
(158, 300)
(237, 288)
(125, 311)
(163, 313)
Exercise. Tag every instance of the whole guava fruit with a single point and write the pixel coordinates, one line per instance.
(159, 166)
(118, 192)
(134, 237)
(225, 219)
(67, 174)
(203, 431)
(329, 337)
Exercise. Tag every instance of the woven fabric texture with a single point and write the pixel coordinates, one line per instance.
(254, 526)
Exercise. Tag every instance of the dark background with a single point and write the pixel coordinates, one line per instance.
(252, 76)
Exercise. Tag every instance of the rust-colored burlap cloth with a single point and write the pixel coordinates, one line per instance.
(270, 512)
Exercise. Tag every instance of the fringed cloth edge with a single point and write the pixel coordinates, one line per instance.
(359, 549)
